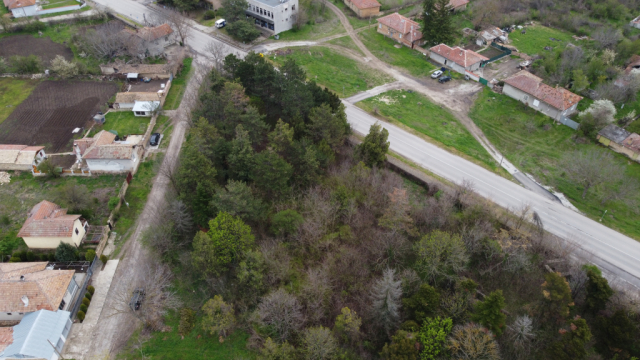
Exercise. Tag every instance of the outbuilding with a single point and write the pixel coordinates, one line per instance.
(457, 58)
(364, 8)
(21, 157)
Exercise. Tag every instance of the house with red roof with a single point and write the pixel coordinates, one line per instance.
(555, 102)
(48, 225)
(458, 5)
(21, 157)
(21, 8)
(103, 153)
(401, 29)
(149, 41)
(364, 8)
(457, 58)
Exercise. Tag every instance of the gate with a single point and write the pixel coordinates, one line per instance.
(568, 122)
(484, 81)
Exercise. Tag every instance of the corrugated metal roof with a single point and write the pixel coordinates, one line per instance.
(31, 337)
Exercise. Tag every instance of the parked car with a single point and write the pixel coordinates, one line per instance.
(436, 74)
(154, 139)
(136, 299)
(444, 79)
(220, 23)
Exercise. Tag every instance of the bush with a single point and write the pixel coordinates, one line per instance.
(83, 308)
(86, 301)
(90, 255)
(113, 202)
(243, 30)
(286, 222)
(209, 14)
(52, 257)
(80, 316)
(187, 321)
(34, 26)
(15, 259)
(87, 296)
(66, 252)
(104, 259)
(26, 65)
(91, 290)
(31, 256)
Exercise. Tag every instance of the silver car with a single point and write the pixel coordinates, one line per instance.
(436, 74)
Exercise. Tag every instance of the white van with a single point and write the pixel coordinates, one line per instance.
(220, 23)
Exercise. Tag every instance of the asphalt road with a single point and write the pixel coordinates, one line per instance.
(611, 250)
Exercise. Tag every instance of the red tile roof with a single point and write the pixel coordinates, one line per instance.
(365, 4)
(559, 98)
(403, 25)
(14, 4)
(632, 142)
(102, 146)
(152, 33)
(47, 219)
(6, 337)
(458, 55)
(41, 288)
(457, 3)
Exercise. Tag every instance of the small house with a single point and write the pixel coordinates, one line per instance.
(458, 5)
(40, 335)
(21, 157)
(620, 141)
(48, 225)
(149, 41)
(103, 153)
(491, 34)
(457, 58)
(29, 287)
(401, 29)
(21, 8)
(128, 100)
(364, 8)
(635, 23)
(555, 102)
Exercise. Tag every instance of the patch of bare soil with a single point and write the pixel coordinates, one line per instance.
(25, 45)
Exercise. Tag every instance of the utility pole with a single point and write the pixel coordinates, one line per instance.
(605, 212)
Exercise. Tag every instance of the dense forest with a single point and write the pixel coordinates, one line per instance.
(280, 229)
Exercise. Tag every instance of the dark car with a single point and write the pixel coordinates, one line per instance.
(155, 139)
(444, 79)
(136, 299)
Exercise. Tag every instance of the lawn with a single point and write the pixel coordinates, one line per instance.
(313, 30)
(178, 86)
(420, 114)
(86, 8)
(59, 3)
(355, 22)
(532, 143)
(124, 122)
(383, 48)
(339, 73)
(12, 93)
(3, 9)
(537, 37)
(25, 190)
(346, 42)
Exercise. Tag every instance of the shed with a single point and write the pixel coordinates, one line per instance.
(145, 108)
(132, 75)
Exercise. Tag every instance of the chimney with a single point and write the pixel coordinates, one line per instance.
(25, 300)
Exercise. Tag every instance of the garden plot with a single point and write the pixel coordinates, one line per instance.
(25, 45)
(52, 111)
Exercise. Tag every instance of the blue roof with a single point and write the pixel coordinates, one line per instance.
(31, 335)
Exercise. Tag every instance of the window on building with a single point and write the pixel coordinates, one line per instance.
(400, 36)
(77, 232)
(8, 313)
(293, 7)
(140, 113)
(380, 26)
(62, 304)
(20, 313)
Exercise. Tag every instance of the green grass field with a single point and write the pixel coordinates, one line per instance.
(532, 143)
(124, 122)
(330, 69)
(86, 8)
(383, 48)
(59, 3)
(329, 26)
(3, 9)
(537, 37)
(178, 86)
(420, 114)
(12, 93)
(346, 42)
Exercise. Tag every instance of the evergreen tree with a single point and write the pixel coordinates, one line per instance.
(489, 312)
(238, 200)
(557, 295)
(437, 25)
(424, 303)
(385, 296)
(598, 291)
(616, 335)
(404, 346)
(433, 335)
(572, 344)
(373, 150)
(241, 158)
(271, 173)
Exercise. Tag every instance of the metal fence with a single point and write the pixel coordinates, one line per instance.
(568, 122)
(83, 288)
(505, 52)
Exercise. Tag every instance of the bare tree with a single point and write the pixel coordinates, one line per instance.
(282, 312)
(319, 343)
(315, 294)
(592, 168)
(105, 41)
(178, 21)
(217, 51)
(156, 280)
(626, 192)
(607, 37)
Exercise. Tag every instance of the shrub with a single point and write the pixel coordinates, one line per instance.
(433, 335)
(83, 308)
(187, 320)
(86, 301)
(104, 259)
(91, 290)
(113, 202)
(209, 14)
(26, 65)
(90, 255)
(64, 68)
(15, 259)
(66, 252)
(80, 316)
(21, 254)
(87, 296)
(286, 222)
(34, 26)
(489, 312)
(31, 256)
(52, 257)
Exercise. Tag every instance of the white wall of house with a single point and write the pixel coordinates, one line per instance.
(280, 17)
(72, 289)
(455, 67)
(25, 11)
(110, 165)
(124, 105)
(53, 242)
(12, 316)
(532, 101)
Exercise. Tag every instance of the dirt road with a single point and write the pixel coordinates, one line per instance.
(115, 329)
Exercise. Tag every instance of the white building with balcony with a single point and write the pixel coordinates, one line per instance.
(275, 15)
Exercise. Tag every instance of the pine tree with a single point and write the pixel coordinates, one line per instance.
(373, 150)
(437, 26)
(598, 291)
(489, 312)
(386, 295)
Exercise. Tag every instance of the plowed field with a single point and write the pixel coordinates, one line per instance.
(49, 115)
(25, 45)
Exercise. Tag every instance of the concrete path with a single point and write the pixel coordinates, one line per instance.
(82, 334)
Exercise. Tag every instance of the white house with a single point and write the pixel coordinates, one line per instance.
(48, 225)
(103, 153)
(34, 336)
(21, 157)
(635, 22)
(145, 108)
(29, 287)
(21, 8)
(149, 41)
(555, 102)
(128, 100)
(458, 59)
(275, 15)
